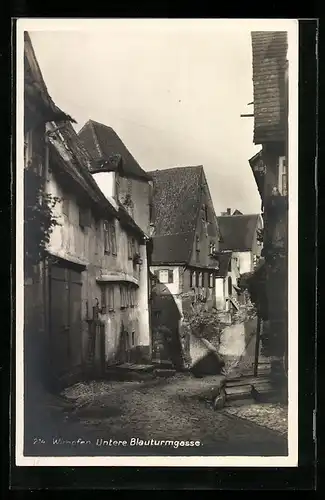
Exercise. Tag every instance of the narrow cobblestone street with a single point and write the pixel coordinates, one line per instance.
(171, 409)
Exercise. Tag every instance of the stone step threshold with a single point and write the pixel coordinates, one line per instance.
(135, 367)
(249, 380)
(245, 389)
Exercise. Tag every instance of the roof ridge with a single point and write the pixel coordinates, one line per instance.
(96, 141)
(239, 216)
(176, 168)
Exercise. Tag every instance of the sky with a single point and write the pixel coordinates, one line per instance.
(172, 90)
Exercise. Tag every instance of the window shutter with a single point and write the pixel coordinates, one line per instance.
(170, 276)
(129, 248)
(111, 297)
(191, 279)
(113, 238)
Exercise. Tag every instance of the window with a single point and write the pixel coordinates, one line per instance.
(128, 296)
(166, 276)
(65, 206)
(132, 296)
(107, 243)
(107, 298)
(109, 238)
(282, 179)
(130, 248)
(210, 280)
(229, 265)
(84, 217)
(200, 280)
(132, 339)
(197, 278)
(123, 297)
(192, 279)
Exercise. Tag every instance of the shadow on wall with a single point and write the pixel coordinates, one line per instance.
(165, 323)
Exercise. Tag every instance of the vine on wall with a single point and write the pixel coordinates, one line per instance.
(39, 216)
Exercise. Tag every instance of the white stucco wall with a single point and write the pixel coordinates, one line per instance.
(70, 242)
(245, 262)
(106, 183)
(144, 329)
(220, 293)
(175, 288)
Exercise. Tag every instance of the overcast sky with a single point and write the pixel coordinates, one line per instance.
(172, 90)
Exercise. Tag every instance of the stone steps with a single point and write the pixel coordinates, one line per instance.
(164, 372)
(238, 392)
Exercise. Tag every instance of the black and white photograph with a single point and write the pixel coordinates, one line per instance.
(156, 242)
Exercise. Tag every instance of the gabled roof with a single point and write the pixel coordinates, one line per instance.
(237, 232)
(79, 169)
(37, 99)
(269, 66)
(105, 145)
(74, 161)
(176, 204)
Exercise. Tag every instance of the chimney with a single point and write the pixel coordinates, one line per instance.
(228, 211)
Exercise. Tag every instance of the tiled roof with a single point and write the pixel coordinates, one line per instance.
(269, 64)
(36, 96)
(237, 232)
(224, 259)
(176, 205)
(173, 248)
(104, 144)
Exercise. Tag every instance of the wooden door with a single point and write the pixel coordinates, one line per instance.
(65, 319)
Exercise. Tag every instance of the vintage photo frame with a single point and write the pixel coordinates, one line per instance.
(291, 28)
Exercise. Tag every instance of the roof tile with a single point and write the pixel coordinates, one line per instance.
(103, 144)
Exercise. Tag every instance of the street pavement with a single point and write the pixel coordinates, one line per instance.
(161, 410)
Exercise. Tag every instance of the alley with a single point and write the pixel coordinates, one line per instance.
(167, 409)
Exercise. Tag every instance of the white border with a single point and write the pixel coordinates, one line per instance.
(289, 25)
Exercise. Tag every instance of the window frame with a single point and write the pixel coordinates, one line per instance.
(160, 273)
